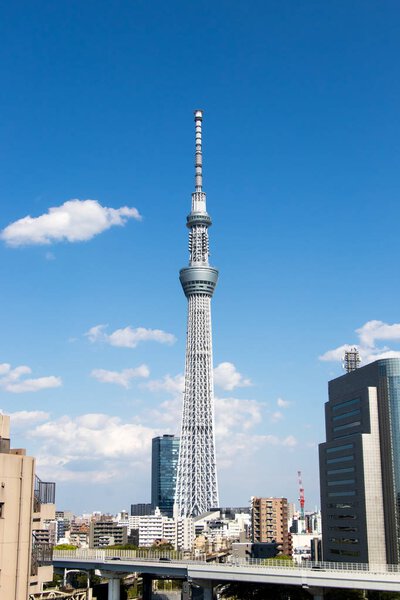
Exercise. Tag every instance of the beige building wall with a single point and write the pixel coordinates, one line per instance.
(17, 474)
(269, 521)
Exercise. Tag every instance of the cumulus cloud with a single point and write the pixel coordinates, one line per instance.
(25, 418)
(128, 337)
(368, 335)
(172, 385)
(378, 330)
(276, 416)
(11, 380)
(73, 221)
(282, 403)
(102, 446)
(228, 378)
(123, 377)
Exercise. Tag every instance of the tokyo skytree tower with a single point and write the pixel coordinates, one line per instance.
(196, 484)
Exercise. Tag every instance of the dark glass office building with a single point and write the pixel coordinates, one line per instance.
(360, 466)
(164, 462)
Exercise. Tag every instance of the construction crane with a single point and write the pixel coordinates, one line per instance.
(301, 495)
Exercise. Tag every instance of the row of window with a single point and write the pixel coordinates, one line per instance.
(339, 459)
(336, 540)
(347, 425)
(340, 405)
(337, 471)
(343, 505)
(339, 448)
(351, 413)
(335, 494)
(341, 482)
(344, 552)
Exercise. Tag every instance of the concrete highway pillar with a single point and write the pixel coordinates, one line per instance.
(317, 593)
(147, 587)
(114, 588)
(207, 590)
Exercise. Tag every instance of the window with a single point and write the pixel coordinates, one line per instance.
(351, 413)
(341, 482)
(346, 458)
(349, 493)
(1, 509)
(344, 552)
(347, 425)
(336, 407)
(339, 448)
(336, 471)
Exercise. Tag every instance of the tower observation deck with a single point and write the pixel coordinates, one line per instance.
(196, 485)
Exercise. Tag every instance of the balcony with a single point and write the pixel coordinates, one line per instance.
(42, 555)
(44, 493)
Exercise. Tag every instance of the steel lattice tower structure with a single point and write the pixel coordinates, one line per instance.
(196, 485)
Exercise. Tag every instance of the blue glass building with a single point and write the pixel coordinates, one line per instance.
(164, 462)
(360, 466)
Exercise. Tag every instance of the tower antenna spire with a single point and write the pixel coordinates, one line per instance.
(198, 118)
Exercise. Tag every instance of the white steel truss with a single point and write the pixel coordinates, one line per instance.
(196, 486)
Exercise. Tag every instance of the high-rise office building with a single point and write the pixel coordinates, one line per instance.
(164, 463)
(269, 523)
(360, 466)
(197, 489)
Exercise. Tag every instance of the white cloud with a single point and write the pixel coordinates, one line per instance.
(377, 330)
(101, 446)
(276, 416)
(368, 334)
(228, 378)
(96, 334)
(123, 377)
(232, 413)
(129, 337)
(282, 403)
(25, 418)
(10, 380)
(172, 385)
(73, 221)
(336, 354)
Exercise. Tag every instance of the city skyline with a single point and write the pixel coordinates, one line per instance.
(302, 138)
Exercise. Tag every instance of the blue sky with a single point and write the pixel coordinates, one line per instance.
(301, 170)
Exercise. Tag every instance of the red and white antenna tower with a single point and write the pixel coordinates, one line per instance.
(301, 495)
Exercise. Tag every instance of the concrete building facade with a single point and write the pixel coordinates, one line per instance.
(269, 522)
(25, 504)
(107, 533)
(360, 466)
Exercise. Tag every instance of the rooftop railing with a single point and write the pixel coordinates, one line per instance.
(44, 493)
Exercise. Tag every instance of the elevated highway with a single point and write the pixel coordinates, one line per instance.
(314, 577)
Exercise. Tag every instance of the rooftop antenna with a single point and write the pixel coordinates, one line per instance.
(351, 360)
